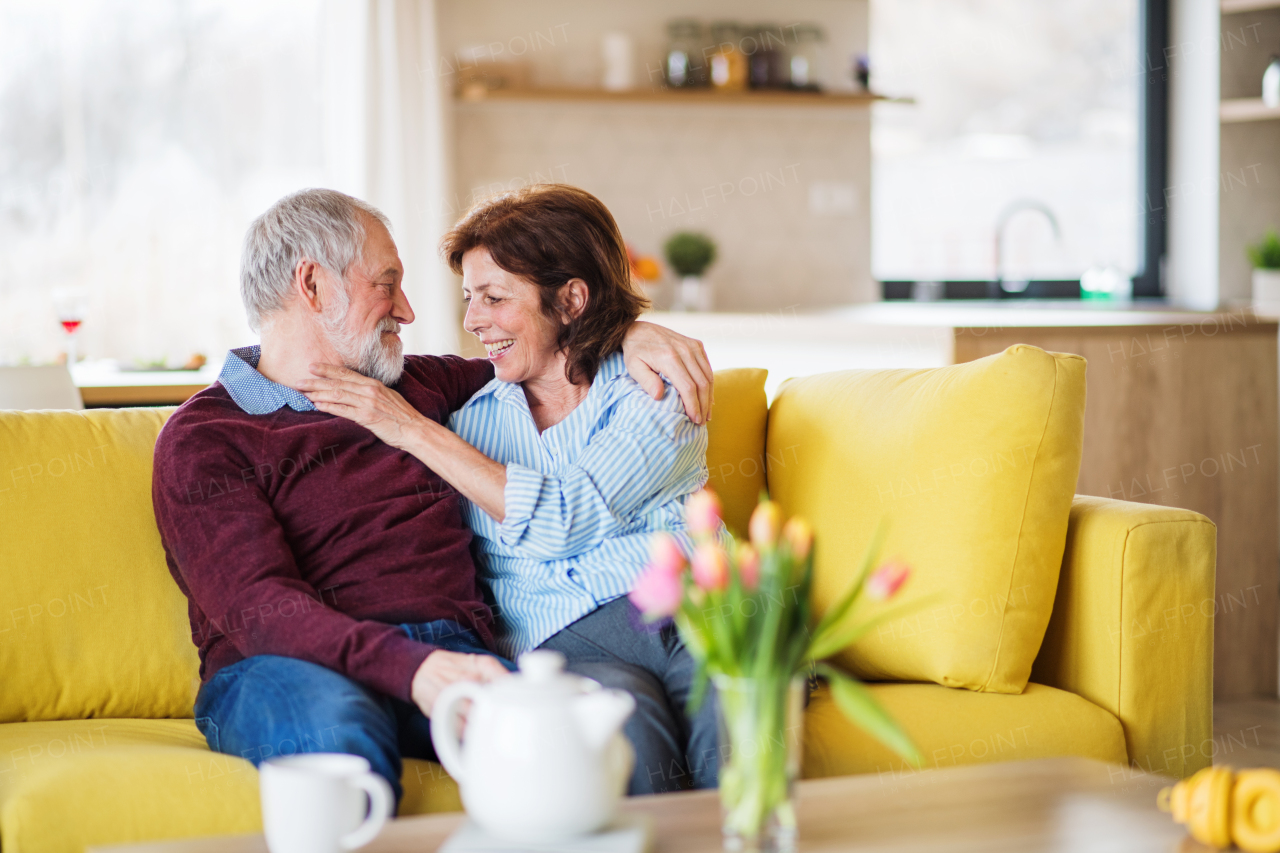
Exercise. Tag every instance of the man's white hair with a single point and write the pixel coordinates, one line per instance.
(324, 226)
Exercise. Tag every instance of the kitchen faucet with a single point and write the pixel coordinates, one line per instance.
(996, 288)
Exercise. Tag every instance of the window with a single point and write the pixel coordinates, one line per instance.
(1026, 113)
(137, 139)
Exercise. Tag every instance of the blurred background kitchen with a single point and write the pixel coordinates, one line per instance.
(828, 153)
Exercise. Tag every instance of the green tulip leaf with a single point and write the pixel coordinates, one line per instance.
(840, 637)
(835, 615)
(856, 702)
(698, 691)
(695, 639)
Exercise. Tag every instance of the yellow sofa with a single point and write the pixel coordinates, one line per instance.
(98, 672)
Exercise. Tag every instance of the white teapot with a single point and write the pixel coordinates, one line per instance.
(544, 758)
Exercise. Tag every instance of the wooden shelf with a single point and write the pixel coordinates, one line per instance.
(1246, 109)
(682, 96)
(1231, 7)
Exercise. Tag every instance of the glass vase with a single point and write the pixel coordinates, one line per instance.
(761, 726)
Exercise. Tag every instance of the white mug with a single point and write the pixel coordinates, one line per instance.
(315, 803)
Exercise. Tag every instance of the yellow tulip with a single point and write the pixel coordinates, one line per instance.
(799, 536)
(765, 523)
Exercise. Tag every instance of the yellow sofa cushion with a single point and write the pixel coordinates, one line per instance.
(91, 623)
(953, 727)
(973, 466)
(69, 784)
(735, 442)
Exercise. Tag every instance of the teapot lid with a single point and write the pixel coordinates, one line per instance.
(541, 674)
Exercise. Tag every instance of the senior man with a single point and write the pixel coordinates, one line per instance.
(330, 585)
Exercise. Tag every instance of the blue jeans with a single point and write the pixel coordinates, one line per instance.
(269, 705)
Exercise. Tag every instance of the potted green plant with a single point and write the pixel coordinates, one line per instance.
(689, 254)
(1265, 257)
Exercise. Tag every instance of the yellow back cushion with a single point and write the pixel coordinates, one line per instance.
(735, 442)
(973, 467)
(91, 623)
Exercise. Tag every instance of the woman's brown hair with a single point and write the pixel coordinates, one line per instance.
(548, 234)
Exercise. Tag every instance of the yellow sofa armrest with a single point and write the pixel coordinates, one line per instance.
(1132, 627)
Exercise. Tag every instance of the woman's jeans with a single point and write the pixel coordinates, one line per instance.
(674, 750)
(267, 705)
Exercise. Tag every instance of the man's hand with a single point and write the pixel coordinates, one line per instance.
(442, 668)
(650, 349)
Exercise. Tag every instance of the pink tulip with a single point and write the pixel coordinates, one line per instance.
(885, 582)
(702, 512)
(765, 522)
(710, 567)
(665, 555)
(657, 593)
(748, 566)
(799, 536)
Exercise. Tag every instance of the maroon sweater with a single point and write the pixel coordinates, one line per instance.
(301, 534)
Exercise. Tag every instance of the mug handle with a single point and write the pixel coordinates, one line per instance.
(444, 729)
(381, 803)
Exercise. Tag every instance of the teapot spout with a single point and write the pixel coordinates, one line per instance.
(601, 714)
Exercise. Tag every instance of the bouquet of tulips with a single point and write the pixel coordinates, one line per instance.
(744, 613)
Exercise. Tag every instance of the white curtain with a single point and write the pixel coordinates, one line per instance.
(385, 141)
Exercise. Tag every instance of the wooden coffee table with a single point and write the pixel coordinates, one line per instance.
(1059, 804)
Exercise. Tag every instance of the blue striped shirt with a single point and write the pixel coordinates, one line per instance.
(582, 498)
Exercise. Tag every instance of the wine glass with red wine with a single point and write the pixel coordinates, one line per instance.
(69, 302)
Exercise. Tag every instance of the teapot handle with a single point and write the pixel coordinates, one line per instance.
(444, 726)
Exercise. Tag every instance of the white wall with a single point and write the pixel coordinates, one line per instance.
(742, 174)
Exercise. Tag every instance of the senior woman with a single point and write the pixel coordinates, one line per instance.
(567, 465)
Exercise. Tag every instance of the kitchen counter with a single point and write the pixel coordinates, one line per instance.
(1026, 313)
(1182, 410)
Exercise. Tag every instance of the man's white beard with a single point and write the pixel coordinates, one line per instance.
(365, 352)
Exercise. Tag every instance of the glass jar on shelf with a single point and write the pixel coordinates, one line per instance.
(726, 62)
(806, 64)
(682, 64)
(765, 47)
